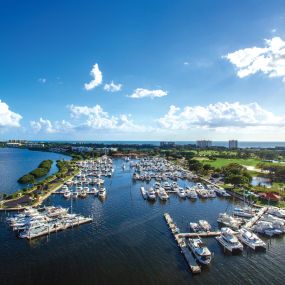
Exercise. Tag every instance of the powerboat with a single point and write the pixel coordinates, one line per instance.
(243, 212)
(280, 213)
(229, 221)
(195, 227)
(181, 192)
(191, 193)
(151, 194)
(102, 193)
(250, 239)
(205, 225)
(200, 251)
(229, 241)
(162, 194)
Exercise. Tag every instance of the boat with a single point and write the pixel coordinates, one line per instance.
(181, 192)
(200, 251)
(195, 227)
(102, 193)
(162, 194)
(280, 213)
(191, 193)
(205, 225)
(144, 194)
(243, 212)
(229, 241)
(229, 221)
(151, 194)
(267, 228)
(250, 239)
(67, 194)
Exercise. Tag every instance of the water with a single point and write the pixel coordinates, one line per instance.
(261, 181)
(130, 243)
(15, 162)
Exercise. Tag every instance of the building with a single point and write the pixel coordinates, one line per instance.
(82, 148)
(233, 144)
(167, 144)
(203, 143)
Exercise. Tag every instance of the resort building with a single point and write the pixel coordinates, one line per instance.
(204, 143)
(167, 144)
(233, 144)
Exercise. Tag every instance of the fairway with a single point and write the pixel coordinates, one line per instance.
(220, 162)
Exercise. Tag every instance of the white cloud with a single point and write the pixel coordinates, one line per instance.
(42, 80)
(112, 87)
(186, 63)
(142, 93)
(46, 126)
(269, 60)
(218, 116)
(98, 78)
(97, 118)
(8, 118)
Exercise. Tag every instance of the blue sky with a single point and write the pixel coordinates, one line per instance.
(180, 70)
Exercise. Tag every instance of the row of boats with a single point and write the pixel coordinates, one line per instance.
(163, 189)
(82, 192)
(34, 222)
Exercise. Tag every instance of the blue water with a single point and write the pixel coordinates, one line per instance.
(14, 163)
(129, 243)
(241, 144)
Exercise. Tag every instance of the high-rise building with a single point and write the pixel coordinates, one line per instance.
(204, 143)
(167, 144)
(233, 144)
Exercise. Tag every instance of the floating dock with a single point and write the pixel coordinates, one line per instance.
(254, 220)
(200, 234)
(194, 267)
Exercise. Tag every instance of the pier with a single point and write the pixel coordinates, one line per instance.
(200, 234)
(254, 220)
(194, 267)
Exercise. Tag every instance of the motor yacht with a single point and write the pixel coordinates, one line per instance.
(229, 221)
(151, 194)
(200, 251)
(205, 225)
(250, 239)
(229, 241)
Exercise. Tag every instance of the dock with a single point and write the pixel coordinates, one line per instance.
(50, 230)
(254, 220)
(194, 267)
(144, 194)
(200, 234)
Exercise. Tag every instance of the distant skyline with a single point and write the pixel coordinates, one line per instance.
(142, 70)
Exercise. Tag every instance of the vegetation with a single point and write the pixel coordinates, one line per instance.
(41, 171)
(236, 175)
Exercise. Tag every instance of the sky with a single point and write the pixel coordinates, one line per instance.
(142, 70)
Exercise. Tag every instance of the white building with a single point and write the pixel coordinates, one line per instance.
(204, 143)
(233, 144)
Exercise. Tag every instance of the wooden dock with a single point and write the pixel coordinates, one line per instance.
(194, 267)
(200, 234)
(254, 220)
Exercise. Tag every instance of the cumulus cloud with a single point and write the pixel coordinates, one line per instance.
(269, 59)
(112, 87)
(96, 118)
(219, 115)
(142, 93)
(8, 118)
(97, 78)
(46, 126)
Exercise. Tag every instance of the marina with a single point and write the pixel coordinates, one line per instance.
(135, 224)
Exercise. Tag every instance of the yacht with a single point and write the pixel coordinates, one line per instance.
(250, 239)
(195, 227)
(280, 213)
(102, 193)
(211, 194)
(67, 194)
(181, 192)
(267, 228)
(191, 193)
(205, 225)
(229, 221)
(229, 241)
(166, 186)
(162, 194)
(200, 251)
(74, 194)
(243, 212)
(151, 194)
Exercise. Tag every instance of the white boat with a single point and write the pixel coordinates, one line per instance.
(280, 213)
(166, 186)
(229, 221)
(181, 192)
(195, 227)
(191, 193)
(229, 241)
(243, 212)
(67, 194)
(211, 194)
(250, 239)
(151, 194)
(205, 225)
(162, 194)
(266, 228)
(74, 194)
(102, 192)
(200, 251)
(144, 194)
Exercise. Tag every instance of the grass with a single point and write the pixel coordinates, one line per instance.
(220, 162)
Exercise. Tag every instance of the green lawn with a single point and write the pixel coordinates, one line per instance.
(220, 162)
